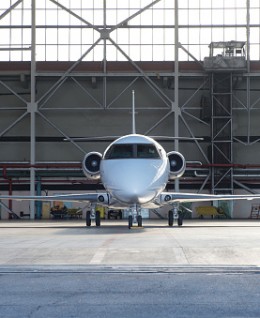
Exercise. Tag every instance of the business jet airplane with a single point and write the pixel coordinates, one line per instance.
(134, 170)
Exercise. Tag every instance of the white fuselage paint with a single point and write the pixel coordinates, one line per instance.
(135, 180)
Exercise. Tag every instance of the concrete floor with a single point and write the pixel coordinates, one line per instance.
(78, 294)
(207, 268)
(196, 243)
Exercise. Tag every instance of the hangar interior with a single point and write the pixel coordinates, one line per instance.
(68, 67)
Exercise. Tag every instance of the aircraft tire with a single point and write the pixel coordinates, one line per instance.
(180, 221)
(97, 218)
(130, 221)
(88, 219)
(140, 221)
(170, 218)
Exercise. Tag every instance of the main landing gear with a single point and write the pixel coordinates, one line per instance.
(174, 215)
(93, 215)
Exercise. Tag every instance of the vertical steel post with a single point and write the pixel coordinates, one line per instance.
(133, 112)
(32, 110)
(175, 105)
(38, 203)
(248, 100)
(105, 55)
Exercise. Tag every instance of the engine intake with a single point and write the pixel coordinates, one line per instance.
(91, 165)
(177, 164)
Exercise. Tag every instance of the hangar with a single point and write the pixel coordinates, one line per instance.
(67, 70)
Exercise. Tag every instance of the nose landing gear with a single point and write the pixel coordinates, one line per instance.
(135, 217)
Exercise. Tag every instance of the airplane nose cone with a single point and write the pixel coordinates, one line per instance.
(129, 197)
(134, 181)
(131, 194)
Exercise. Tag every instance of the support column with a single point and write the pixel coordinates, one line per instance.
(175, 105)
(32, 108)
(248, 79)
(104, 36)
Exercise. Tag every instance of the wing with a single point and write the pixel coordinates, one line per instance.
(95, 197)
(174, 197)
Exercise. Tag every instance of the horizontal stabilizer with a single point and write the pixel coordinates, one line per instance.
(112, 138)
(169, 138)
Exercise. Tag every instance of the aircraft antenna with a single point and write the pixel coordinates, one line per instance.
(133, 112)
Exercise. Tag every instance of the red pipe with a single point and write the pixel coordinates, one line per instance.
(224, 165)
(78, 165)
(52, 181)
(46, 166)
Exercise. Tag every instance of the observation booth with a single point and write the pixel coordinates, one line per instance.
(226, 56)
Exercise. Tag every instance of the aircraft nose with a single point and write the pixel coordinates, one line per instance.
(130, 197)
(135, 181)
(134, 193)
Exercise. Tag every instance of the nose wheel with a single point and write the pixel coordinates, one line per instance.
(135, 218)
(139, 221)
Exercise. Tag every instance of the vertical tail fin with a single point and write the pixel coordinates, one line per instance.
(133, 112)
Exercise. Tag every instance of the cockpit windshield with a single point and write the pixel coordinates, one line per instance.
(127, 151)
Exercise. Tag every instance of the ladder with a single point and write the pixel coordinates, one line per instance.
(157, 213)
(255, 212)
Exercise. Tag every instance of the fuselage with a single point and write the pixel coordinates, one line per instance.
(134, 169)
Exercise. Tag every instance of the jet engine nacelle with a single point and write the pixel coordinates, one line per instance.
(91, 165)
(177, 164)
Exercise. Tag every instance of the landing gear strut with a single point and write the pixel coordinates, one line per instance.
(174, 214)
(135, 217)
(92, 215)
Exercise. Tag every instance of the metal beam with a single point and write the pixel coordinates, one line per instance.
(124, 22)
(32, 109)
(10, 9)
(74, 15)
(163, 96)
(61, 132)
(8, 210)
(63, 77)
(2, 133)
(175, 105)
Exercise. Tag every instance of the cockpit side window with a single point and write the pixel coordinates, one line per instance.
(127, 151)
